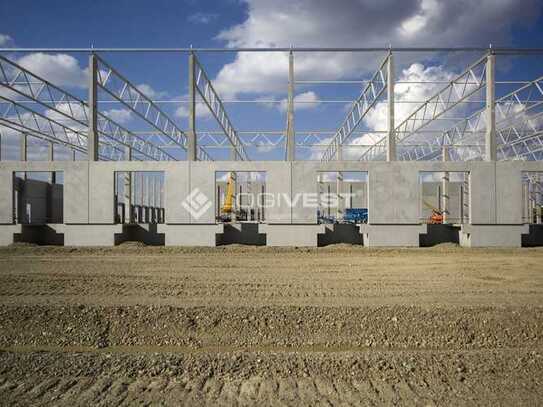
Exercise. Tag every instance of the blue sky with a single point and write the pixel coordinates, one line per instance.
(251, 23)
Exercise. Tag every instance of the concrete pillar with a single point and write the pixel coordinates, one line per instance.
(445, 188)
(465, 198)
(537, 199)
(23, 147)
(490, 113)
(526, 201)
(339, 151)
(147, 197)
(391, 139)
(191, 141)
(340, 197)
(291, 146)
(92, 139)
(51, 157)
(128, 218)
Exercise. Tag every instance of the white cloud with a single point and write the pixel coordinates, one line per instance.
(150, 92)
(376, 118)
(120, 116)
(354, 23)
(59, 69)
(202, 111)
(5, 40)
(302, 101)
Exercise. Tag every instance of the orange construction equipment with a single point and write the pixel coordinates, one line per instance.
(436, 217)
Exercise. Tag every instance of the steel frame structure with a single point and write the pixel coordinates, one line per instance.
(511, 124)
(22, 82)
(362, 105)
(509, 109)
(203, 86)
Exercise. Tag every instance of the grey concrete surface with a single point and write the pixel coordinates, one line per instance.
(393, 190)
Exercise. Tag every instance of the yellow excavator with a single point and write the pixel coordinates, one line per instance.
(228, 210)
(228, 204)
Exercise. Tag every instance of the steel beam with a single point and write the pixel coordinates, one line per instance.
(122, 90)
(367, 99)
(25, 83)
(211, 99)
(443, 101)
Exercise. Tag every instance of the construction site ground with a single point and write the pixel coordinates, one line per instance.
(235, 325)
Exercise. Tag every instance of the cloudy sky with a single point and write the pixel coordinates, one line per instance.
(264, 23)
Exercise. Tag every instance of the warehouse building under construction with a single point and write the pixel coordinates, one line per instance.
(429, 178)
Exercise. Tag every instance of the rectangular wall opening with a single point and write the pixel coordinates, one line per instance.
(139, 197)
(342, 197)
(532, 207)
(38, 206)
(444, 197)
(38, 197)
(342, 206)
(240, 196)
(444, 205)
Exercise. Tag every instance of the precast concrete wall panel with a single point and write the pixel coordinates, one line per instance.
(393, 191)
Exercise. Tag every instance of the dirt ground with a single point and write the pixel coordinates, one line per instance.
(236, 325)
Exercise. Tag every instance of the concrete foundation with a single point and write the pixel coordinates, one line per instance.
(392, 235)
(190, 235)
(492, 235)
(291, 235)
(89, 235)
(7, 234)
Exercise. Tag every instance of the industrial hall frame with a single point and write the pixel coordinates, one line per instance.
(498, 149)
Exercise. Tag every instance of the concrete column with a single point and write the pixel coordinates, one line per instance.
(538, 200)
(291, 146)
(339, 151)
(490, 113)
(128, 218)
(340, 198)
(525, 201)
(24, 147)
(92, 140)
(51, 157)
(465, 197)
(445, 188)
(153, 205)
(191, 134)
(391, 140)
(148, 198)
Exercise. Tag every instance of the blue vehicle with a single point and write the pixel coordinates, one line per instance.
(356, 215)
